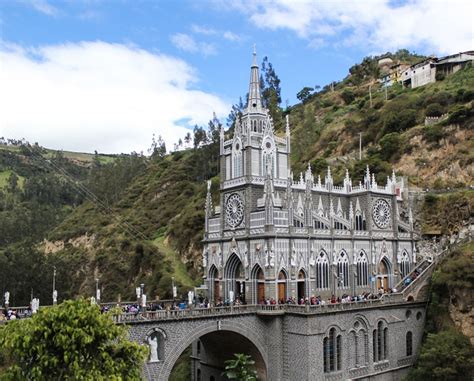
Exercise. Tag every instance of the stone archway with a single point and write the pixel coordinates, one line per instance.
(239, 328)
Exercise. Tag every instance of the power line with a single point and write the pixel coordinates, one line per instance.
(89, 195)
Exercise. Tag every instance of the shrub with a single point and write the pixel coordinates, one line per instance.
(434, 109)
(460, 115)
(433, 134)
(439, 76)
(399, 121)
(348, 96)
(390, 144)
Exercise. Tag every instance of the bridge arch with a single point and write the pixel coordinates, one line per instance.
(210, 327)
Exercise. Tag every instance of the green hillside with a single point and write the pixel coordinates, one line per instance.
(130, 219)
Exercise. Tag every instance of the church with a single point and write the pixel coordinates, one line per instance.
(277, 237)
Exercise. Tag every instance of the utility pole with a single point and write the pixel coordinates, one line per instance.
(55, 300)
(386, 95)
(370, 95)
(360, 146)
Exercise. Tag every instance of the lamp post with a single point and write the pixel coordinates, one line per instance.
(173, 288)
(55, 293)
(97, 290)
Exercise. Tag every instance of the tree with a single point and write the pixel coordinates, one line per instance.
(447, 355)
(240, 368)
(390, 144)
(200, 136)
(304, 94)
(71, 341)
(235, 112)
(187, 139)
(158, 147)
(271, 91)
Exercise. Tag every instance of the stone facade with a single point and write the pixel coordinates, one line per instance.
(276, 237)
(292, 345)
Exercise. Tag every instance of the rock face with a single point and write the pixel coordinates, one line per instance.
(86, 241)
(461, 312)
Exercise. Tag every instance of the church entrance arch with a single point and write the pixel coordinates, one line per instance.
(214, 284)
(282, 285)
(258, 279)
(209, 345)
(301, 285)
(383, 271)
(235, 279)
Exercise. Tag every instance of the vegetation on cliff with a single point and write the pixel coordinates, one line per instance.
(133, 219)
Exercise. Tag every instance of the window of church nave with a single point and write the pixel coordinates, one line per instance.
(322, 271)
(404, 265)
(362, 270)
(343, 270)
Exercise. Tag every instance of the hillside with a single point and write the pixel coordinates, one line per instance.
(131, 219)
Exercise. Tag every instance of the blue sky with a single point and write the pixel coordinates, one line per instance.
(106, 75)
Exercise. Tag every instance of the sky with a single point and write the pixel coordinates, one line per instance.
(105, 75)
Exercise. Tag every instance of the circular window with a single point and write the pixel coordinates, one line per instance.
(408, 314)
(419, 315)
(268, 145)
(234, 210)
(381, 213)
(356, 325)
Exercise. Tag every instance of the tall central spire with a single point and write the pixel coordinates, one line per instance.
(254, 101)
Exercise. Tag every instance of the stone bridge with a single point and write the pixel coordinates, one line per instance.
(286, 341)
(290, 342)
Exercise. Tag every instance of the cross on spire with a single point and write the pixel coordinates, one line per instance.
(254, 101)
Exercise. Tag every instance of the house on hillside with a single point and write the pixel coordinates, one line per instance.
(394, 74)
(451, 64)
(420, 73)
(426, 71)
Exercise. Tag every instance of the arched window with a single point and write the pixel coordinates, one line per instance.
(380, 342)
(199, 375)
(362, 269)
(343, 270)
(409, 343)
(332, 352)
(237, 160)
(358, 345)
(322, 271)
(404, 264)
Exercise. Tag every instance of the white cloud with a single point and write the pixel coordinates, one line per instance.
(199, 29)
(438, 26)
(43, 6)
(189, 44)
(231, 36)
(97, 95)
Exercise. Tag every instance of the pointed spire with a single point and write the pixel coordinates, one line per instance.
(351, 211)
(328, 180)
(347, 182)
(358, 209)
(320, 185)
(331, 208)
(374, 183)
(254, 101)
(320, 207)
(367, 178)
(308, 175)
(339, 208)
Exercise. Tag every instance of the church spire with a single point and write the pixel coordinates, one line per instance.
(254, 101)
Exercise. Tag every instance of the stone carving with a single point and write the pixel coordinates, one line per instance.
(7, 297)
(153, 344)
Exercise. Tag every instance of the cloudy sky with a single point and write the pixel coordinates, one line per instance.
(89, 75)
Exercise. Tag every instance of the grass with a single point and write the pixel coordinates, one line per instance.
(5, 175)
(179, 270)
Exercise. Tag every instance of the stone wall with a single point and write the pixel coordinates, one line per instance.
(289, 345)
